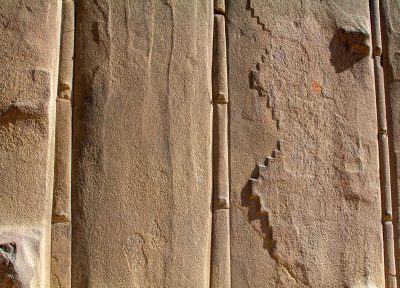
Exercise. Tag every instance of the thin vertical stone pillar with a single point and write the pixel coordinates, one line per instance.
(220, 257)
(390, 30)
(61, 218)
(384, 162)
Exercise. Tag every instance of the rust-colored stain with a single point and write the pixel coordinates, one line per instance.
(316, 87)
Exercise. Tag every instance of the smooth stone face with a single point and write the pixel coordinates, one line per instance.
(29, 41)
(296, 72)
(142, 144)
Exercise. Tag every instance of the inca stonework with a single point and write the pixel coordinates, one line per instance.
(199, 143)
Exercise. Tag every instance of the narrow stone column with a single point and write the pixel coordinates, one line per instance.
(220, 257)
(61, 218)
(387, 213)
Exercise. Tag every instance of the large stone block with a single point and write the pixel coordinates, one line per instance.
(29, 40)
(142, 144)
(303, 126)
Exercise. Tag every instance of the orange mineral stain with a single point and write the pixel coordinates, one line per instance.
(316, 87)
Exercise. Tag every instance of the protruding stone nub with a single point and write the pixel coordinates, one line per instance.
(66, 51)
(376, 28)
(219, 6)
(219, 67)
(222, 203)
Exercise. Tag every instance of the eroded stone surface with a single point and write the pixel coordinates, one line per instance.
(29, 40)
(142, 144)
(311, 216)
(8, 271)
(20, 258)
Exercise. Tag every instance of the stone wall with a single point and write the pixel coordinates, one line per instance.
(166, 143)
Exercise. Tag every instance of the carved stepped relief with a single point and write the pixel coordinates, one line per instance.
(256, 15)
(259, 214)
(304, 79)
(257, 209)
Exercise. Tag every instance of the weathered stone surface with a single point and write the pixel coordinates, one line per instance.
(29, 40)
(62, 163)
(20, 258)
(293, 182)
(311, 216)
(142, 144)
(61, 255)
(9, 276)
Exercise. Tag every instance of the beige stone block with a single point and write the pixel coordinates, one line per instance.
(62, 163)
(29, 45)
(295, 74)
(142, 145)
(61, 255)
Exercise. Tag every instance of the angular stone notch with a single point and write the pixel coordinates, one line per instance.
(355, 41)
(20, 255)
(8, 271)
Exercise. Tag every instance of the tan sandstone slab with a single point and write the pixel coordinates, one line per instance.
(303, 127)
(142, 144)
(29, 40)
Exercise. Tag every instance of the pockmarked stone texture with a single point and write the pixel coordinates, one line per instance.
(199, 143)
(303, 129)
(142, 144)
(29, 41)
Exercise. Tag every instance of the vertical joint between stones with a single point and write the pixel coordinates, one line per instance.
(61, 211)
(220, 250)
(385, 182)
